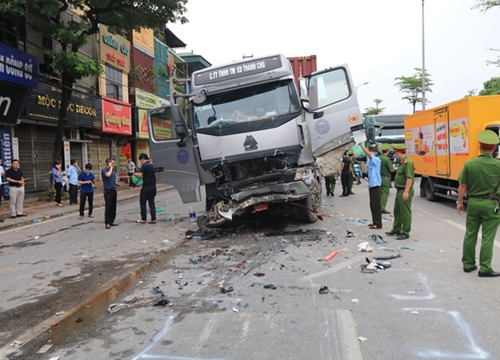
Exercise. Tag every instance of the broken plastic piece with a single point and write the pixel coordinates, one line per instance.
(387, 257)
(414, 312)
(270, 286)
(331, 256)
(355, 301)
(378, 239)
(324, 290)
(235, 309)
(365, 247)
(16, 343)
(362, 338)
(157, 291)
(79, 320)
(350, 233)
(60, 313)
(44, 349)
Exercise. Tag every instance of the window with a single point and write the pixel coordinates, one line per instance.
(114, 87)
(328, 88)
(162, 125)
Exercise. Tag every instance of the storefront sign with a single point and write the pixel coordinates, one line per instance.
(18, 67)
(114, 50)
(83, 110)
(144, 102)
(116, 117)
(7, 154)
(12, 101)
(144, 41)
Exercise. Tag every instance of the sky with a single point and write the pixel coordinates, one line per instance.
(378, 40)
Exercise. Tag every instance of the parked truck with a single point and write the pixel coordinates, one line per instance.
(442, 139)
(253, 142)
(385, 129)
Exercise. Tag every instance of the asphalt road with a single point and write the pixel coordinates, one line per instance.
(250, 293)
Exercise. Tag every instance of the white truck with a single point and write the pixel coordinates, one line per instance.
(254, 142)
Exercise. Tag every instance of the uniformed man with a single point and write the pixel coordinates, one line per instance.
(385, 172)
(480, 179)
(403, 182)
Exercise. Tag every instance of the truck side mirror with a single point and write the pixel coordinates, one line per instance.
(180, 125)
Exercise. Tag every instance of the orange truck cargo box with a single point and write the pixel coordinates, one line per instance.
(440, 140)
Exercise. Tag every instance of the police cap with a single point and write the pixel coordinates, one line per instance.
(385, 147)
(488, 137)
(399, 147)
(350, 152)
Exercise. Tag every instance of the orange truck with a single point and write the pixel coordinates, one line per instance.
(440, 140)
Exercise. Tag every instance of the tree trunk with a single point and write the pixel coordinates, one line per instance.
(67, 86)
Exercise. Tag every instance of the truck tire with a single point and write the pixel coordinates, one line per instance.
(313, 202)
(429, 194)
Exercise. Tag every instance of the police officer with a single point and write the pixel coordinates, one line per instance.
(480, 179)
(351, 176)
(385, 172)
(403, 182)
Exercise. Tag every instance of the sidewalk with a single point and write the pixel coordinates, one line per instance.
(42, 210)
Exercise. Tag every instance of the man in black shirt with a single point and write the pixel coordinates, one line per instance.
(148, 190)
(345, 172)
(16, 189)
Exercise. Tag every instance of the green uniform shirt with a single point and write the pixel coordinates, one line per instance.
(481, 175)
(385, 166)
(406, 170)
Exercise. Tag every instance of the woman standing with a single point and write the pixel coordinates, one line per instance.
(57, 181)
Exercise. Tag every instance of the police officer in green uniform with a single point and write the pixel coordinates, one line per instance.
(330, 184)
(385, 172)
(403, 182)
(480, 179)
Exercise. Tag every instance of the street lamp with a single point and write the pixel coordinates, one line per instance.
(366, 83)
(423, 58)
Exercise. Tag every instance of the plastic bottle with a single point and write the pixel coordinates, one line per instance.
(192, 215)
(197, 238)
(36, 220)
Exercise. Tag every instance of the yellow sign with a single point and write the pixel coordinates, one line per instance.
(144, 41)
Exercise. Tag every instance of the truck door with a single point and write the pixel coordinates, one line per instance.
(441, 142)
(332, 108)
(172, 152)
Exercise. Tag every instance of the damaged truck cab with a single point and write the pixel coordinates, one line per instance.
(253, 141)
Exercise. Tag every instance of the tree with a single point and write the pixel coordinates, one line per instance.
(374, 110)
(72, 33)
(471, 92)
(483, 6)
(491, 87)
(412, 87)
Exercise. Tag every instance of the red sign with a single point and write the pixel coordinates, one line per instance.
(116, 116)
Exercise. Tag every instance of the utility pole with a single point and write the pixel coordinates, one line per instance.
(423, 58)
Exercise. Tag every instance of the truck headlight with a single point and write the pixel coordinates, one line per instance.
(306, 175)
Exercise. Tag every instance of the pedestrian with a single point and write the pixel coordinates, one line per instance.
(72, 174)
(15, 178)
(386, 169)
(2, 174)
(130, 172)
(352, 176)
(374, 185)
(148, 190)
(86, 180)
(480, 179)
(330, 184)
(403, 182)
(57, 180)
(110, 195)
(345, 172)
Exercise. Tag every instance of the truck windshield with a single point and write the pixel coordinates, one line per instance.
(258, 102)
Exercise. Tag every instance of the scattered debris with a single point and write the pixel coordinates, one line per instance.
(414, 312)
(60, 313)
(55, 358)
(350, 233)
(16, 343)
(373, 264)
(270, 286)
(387, 257)
(44, 349)
(235, 309)
(378, 239)
(362, 338)
(162, 302)
(365, 247)
(114, 308)
(157, 291)
(195, 260)
(259, 274)
(324, 290)
(79, 320)
(355, 301)
(165, 241)
(226, 290)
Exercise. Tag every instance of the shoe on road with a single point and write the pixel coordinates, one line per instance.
(490, 274)
(392, 232)
(471, 269)
(402, 237)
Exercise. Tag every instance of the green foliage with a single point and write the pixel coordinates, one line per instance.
(411, 86)
(491, 87)
(50, 195)
(485, 5)
(374, 110)
(471, 92)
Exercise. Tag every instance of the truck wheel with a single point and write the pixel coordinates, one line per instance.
(429, 194)
(313, 202)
